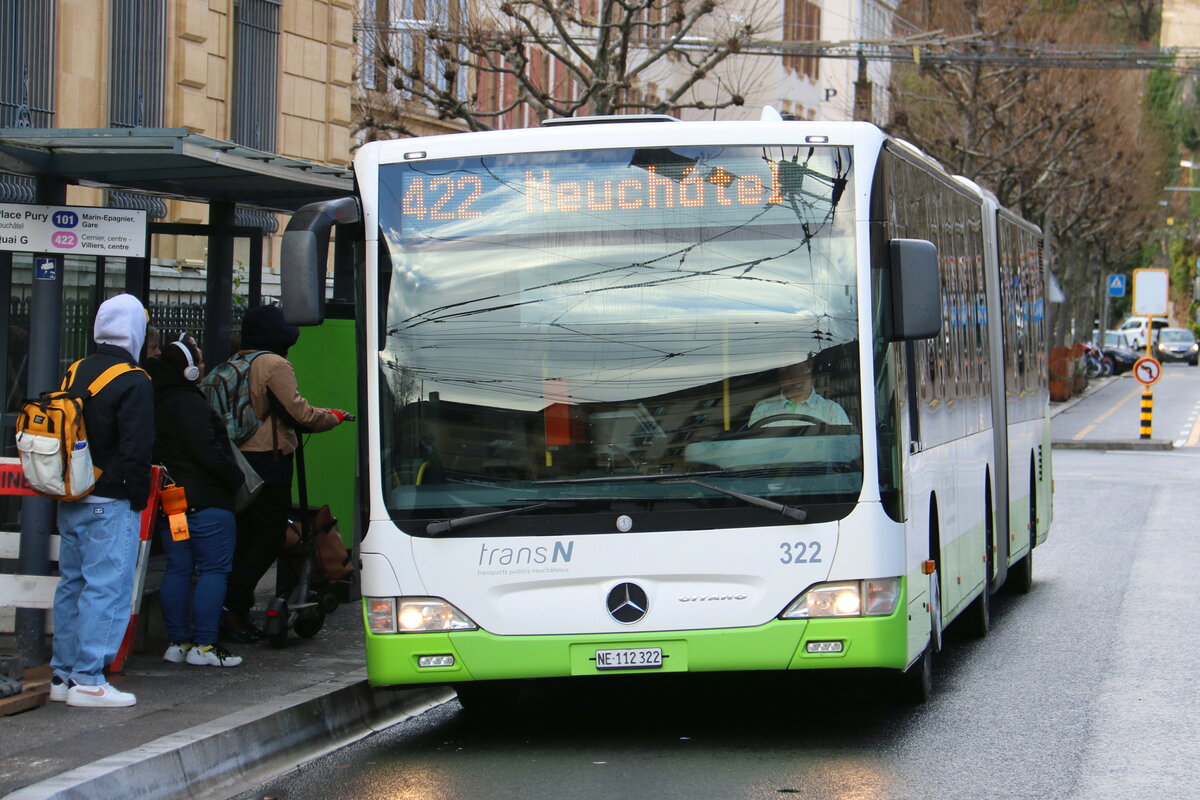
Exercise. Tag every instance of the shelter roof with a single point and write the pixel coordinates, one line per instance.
(171, 163)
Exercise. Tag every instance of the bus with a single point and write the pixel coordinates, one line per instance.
(641, 395)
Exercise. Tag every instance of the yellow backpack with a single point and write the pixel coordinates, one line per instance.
(52, 441)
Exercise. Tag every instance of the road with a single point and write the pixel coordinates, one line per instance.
(1084, 690)
(1113, 412)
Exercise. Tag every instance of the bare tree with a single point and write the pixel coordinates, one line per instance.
(1141, 18)
(555, 58)
(1067, 147)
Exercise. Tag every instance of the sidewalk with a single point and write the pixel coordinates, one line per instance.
(1093, 386)
(206, 731)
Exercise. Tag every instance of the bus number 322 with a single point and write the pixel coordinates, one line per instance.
(800, 553)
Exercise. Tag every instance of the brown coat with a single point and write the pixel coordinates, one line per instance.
(274, 372)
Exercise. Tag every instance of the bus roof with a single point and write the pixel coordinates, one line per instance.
(602, 134)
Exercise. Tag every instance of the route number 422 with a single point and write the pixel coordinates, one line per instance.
(800, 553)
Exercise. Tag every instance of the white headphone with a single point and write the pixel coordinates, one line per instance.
(192, 372)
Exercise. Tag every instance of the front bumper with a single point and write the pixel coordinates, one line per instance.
(392, 659)
(1187, 355)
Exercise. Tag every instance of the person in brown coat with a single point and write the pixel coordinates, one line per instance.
(278, 403)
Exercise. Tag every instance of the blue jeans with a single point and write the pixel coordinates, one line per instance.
(191, 613)
(98, 546)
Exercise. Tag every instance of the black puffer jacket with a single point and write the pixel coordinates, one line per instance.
(120, 426)
(191, 442)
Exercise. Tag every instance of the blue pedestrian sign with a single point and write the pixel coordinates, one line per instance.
(46, 269)
(1116, 285)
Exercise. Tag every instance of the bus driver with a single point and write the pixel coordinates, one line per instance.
(796, 396)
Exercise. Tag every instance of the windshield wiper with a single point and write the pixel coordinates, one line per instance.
(630, 478)
(791, 512)
(458, 523)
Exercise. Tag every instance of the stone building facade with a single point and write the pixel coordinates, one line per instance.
(271, 75)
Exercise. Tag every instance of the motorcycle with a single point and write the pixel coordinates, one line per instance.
(1094, 361)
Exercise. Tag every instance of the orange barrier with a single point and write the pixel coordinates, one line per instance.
(145, 535)
(12, 482)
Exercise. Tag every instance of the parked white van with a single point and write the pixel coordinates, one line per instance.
(1134, 329)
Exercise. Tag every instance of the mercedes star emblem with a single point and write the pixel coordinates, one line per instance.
(627, 603)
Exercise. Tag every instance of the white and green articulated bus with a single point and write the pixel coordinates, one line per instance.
(660, 396)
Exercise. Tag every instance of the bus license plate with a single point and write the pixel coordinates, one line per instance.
(633, 658)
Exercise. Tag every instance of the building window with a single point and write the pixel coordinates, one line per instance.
(395, 41)
(137, 63)
(27, 63)
(256, 72)
(801, 23)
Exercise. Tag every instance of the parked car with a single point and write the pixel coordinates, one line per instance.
(1177, 344)
(1134, 329)
(1115, 339)
(1119, 356)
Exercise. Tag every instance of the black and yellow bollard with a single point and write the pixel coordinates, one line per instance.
(1147, 412)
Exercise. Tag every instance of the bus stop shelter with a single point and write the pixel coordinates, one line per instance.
(166, 163)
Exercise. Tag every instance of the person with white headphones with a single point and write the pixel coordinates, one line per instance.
(194, 449)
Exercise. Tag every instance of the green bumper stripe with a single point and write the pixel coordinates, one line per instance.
(778, 645)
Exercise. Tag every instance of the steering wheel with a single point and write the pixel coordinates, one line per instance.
(807, 419)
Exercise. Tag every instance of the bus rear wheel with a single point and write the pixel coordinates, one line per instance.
(1020, 574)
(977, 619)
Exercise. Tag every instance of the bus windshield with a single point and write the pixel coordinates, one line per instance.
(624, 339)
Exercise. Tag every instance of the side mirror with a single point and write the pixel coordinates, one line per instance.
(916, 290)
(303, 258)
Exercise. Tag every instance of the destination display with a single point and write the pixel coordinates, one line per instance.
(79, 230)
(660, 187)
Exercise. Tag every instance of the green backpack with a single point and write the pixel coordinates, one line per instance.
(227, 387)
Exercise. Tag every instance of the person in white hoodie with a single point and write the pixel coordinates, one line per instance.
(98, 534)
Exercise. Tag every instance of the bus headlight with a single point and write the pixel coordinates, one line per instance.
(414, 615)
(425, 614)
(872, 598)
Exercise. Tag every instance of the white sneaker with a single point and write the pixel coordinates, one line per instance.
(176, 653)
(58, 689)
(102, 695)
(212, 655)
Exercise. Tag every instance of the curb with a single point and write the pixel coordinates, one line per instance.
(222, 758)
(1114, 444)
